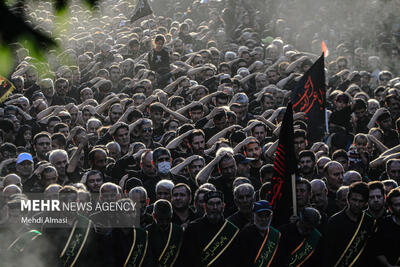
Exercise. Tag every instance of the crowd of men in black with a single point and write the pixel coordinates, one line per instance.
(179, 113)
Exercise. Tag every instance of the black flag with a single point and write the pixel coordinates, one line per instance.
(285, 165)
(142, 9)
(309, 97)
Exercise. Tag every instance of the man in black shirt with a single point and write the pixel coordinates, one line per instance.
(348, 232)
(244, 201)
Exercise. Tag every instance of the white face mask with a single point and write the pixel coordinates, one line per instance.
(164, 167)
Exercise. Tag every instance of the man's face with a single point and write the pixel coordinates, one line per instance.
(115, 113)
(394, 171)
(86, 94)
(244, 200)
(261, 82)
(64, 131)
(62, 88)
(163, 193)
(25, 168)
(221, 123)
(228, 168)
(384, 79)
(214, 208)
(253, 150)
(335, 177)
(93, 126)
(196, 115)
(122, 137)
(268, 103)
(360, 113)
(180, 198)
(156, 116)
(146, 131)
(140, 200)
(61, 163)
(115, 74)
(100, 161)
(259, 133)
(147, 167)
(356, 203)
(393, 105)
(395, 206)
(302, 195)
(262, 219)
(243, 169)
(114, 152)
(306, 165)
(198, 144)
(31, 77)
(344, 162)
(42, 146)
(94, 182)
(319, 196)
(273, 77)
(386, 124)
(195, 167)
(48, 178)
(376, 200)
(299, 144)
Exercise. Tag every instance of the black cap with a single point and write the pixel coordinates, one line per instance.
(213, 194)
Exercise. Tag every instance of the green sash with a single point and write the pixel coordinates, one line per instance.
(305, 249)
(172, 247)
(219, 243)
(268, 248)
(357, 243)
(76, 241)
(138, 249)
(19, 244)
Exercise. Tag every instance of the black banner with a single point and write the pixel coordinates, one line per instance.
(142, 9)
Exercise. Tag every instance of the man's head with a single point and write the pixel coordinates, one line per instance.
(109, 192)
(244, 198)
(262, 214)
(341, 156)
(93, 125)
(393, 201)
(113, 150)
(195, 166)
(196, 141)
(309, 219)
(146, 164)
(214, 205)
(253, 149)
(196, 112)
(115, 112)
(162, 160)
(259, 131)
(243, 165)
(97, 159)
(48, 176)
(333, 172)
(121, 135)
(139, 196)
(181, 197)
(393, 169)
(164, 189)
(319, 194)
(59, 159)
(162, 213)
(41, 144)
(303, 192)
(341, 197)
(300, 140)
(24, 166)
(307, 162)
(357, 198)
(376, 200)
(351, 177)
(94, 180)
(61, 87)
(227, 165)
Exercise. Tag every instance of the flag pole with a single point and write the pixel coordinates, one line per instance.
(293, 178)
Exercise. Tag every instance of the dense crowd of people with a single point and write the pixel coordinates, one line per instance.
(179, 114)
